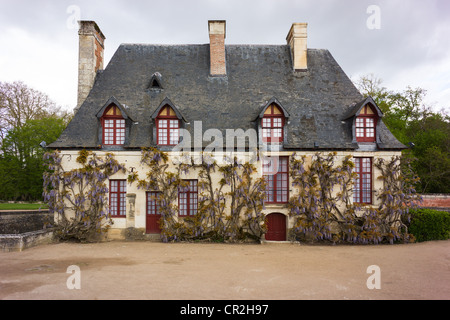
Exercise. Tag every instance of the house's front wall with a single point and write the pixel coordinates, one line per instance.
(136, 198)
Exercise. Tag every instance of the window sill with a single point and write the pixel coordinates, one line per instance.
(276, 205)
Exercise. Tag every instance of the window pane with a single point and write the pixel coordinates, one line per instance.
(162, 124)
(162, 136)
(277, 189)
(269, 196)
(366, 162)
(174, 136)
(188, 199)
(276, 133)
(359, 122)
(360, 132)
(120, 123)
(277, 122)
(117, 196)
(283, 167)
(114, 186)
(362, 191)
(152, 203)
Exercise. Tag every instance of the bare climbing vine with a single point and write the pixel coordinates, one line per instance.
(231, 198)
(79, 197)
(324, 210)
(237, 191)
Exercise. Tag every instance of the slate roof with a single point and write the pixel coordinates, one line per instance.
(316, 101)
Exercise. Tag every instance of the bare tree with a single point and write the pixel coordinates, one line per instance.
(20, 103)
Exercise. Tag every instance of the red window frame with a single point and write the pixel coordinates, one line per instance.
(167, 128)
(113, 127)
(272, 125)
(365, 125)
(277, 190)
(362, 191)
(117, 198)
(188, 199)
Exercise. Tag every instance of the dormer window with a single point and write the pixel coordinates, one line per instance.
(113, 125)
(272, 124)
(167, 127)
(155, 82)
(365, 127)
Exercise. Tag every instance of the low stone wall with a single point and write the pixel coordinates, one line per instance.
(17, 222)
(24, 229)
(20, 242)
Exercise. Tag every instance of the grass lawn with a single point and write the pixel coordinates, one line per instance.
(23, 206)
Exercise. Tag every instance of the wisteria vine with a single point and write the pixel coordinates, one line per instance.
(237, 187)
(323, 209)
(79, 197)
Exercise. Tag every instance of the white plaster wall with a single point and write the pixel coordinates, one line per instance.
(132, 161)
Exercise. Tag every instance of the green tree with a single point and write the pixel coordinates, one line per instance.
(21, 163)
(27, 117)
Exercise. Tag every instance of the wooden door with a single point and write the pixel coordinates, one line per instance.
(153, 215)
(276, 227)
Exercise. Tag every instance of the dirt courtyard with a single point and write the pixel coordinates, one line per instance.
(199, 271)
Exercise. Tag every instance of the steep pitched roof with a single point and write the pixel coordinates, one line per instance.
(316, 100)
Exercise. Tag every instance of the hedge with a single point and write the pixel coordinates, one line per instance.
(428, 224)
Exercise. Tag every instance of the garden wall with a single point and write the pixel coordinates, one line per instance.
(24, 229)
(16, 222)
(436, 201)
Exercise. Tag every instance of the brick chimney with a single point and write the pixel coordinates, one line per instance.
(217, 30)
(296, 39)
(90, 59)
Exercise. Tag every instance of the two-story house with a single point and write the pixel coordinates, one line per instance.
(284, 98)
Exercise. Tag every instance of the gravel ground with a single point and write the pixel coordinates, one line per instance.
(206, 271)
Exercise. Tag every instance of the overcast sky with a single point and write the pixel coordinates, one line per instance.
(403, 42)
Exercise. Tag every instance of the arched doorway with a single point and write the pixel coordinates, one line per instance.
(276, 227)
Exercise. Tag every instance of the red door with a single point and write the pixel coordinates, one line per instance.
(276, 227)
(153, 216)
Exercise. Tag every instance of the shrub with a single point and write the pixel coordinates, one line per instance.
(428, 224)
